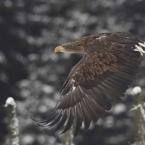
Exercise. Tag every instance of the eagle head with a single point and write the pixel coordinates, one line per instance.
(77, 46)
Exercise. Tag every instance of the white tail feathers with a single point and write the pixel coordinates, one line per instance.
(140, 47)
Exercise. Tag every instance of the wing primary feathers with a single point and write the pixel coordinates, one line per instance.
(127, 71)
(91, 109)
(108, 93)
(66, 105)
(71, 99)
(67, 87)
(100, 98)
(62, 102)
(48, 123)
(116, 83)
(87, 118)
(112, 90)
(62, 120)
(79, 95)
(95, 106)
(56, 119)
(125, 75)
(46, 120)
(79, 118)
(114, 86)
(121, 80)
(83, 96)
(113, 83)
(49, 114)
(69, 121)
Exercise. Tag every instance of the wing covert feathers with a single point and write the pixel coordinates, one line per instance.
(104, 73)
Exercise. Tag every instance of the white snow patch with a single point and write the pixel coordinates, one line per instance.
(43, 108)
(109, 122)
(136, 90)
(119, 108)
(28, 139)
(47, 89)
(10, 101)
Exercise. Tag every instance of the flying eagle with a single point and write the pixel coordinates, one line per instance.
(109, 65)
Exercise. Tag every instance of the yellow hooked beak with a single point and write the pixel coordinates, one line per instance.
(59, 49)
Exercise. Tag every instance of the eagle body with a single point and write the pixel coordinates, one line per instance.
(109, 65)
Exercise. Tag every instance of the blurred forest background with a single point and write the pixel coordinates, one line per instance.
(33, 74)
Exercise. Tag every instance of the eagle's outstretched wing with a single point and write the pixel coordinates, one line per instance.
(101, 75)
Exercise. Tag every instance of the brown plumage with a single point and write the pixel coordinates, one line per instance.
(108, 67)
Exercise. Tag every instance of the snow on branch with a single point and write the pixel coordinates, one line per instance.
(138, 115)
(68, 137)
(12, 122)
(136, 90)
(142, 111)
